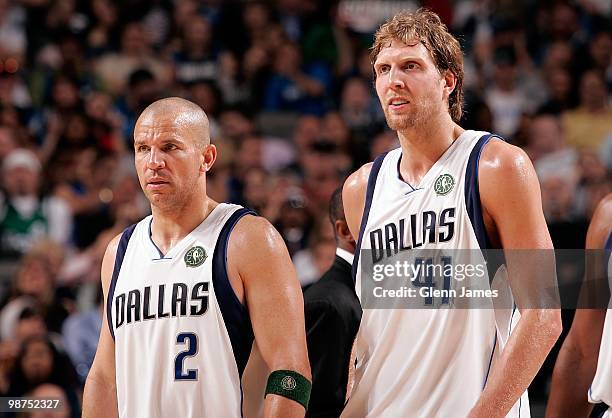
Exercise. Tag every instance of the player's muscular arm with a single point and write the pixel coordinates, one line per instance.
(510, 196)
(577, 360)
(274, 300)
(100, 396)
(353, 197)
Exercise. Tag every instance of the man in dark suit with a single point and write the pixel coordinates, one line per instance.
(332, 313)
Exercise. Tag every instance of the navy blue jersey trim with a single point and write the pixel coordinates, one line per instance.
(121, 248)
(490, 361)
(366, 210)
(591, 396)
(472, 193)
(607, 254)
(235, 314)
(161, 255)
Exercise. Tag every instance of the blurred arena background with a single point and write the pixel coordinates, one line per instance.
(287, 86)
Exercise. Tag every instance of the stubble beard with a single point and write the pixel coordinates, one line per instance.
(173, 200)
(423, 113)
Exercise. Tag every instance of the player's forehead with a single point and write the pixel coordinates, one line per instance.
(161, 127)
(397, 50)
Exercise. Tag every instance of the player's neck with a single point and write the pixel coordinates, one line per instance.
(423, 145)
(169, 227)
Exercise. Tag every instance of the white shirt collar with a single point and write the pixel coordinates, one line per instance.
(345, 255)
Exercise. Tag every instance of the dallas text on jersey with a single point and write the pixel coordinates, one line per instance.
(137, 305)
(404, 234)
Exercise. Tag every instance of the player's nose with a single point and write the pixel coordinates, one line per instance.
(156, 159)
(395, 78)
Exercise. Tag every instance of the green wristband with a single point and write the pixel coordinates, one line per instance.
(291, 385)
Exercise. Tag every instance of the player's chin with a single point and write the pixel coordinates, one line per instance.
(397, 123)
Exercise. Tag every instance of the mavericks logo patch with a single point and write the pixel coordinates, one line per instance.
(444, 184)
(195, 257)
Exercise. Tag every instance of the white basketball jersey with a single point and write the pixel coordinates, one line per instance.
(601, 388)
(182, 338)
(426, 362)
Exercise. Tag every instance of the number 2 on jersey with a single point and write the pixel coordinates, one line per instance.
(191, 340)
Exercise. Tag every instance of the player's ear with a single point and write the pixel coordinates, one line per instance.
(343, 232)
(450, 82)
(209, 156)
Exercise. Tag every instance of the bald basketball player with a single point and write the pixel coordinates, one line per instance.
(189, 289)
(445, 188)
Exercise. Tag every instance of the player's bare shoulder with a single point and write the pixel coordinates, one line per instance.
(601, 223)
(507, 179)
(354, 195)
(254, 234)
(500, 159)
(255, 245)
(108, 262)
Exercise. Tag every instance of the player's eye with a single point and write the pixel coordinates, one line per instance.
(142, 148)
(169, 147)
(412, 66)
(383, 69)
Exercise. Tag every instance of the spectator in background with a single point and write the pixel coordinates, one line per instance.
(235, 124)
(8, 142)
(106, 123)
(547, 149)
(506, 101)
(25, 215)
(13, 88)
(207, 95)
(293, 88)
(546, 141)
(559, 85)
(142, 90)
(358, 107)
(383, 142)
(311, 262)
(38, 362)
(80, 332)
(196, 58)
(114, 69)
(589, 124)
(594, 183)
(35, 280)
(48, 391)
(89, 194)
(600, 49)
(102, 33)
(13, 40)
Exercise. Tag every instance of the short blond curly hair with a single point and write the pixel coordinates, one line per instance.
(426, 27)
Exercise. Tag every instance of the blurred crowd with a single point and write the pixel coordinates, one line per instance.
(287, 85)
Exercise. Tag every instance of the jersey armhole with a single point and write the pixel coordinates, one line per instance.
(121, 249)
(472, 193)
(235, 314)
(366, 209)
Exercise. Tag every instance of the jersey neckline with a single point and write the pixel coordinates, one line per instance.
(425, 179)
(184, 241)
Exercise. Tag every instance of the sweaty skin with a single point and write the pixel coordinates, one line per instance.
(172, 156)
(414, 96)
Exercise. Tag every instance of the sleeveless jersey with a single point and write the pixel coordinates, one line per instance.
(427, 362)
(182, 337)
(601, 388)
(19, 232)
